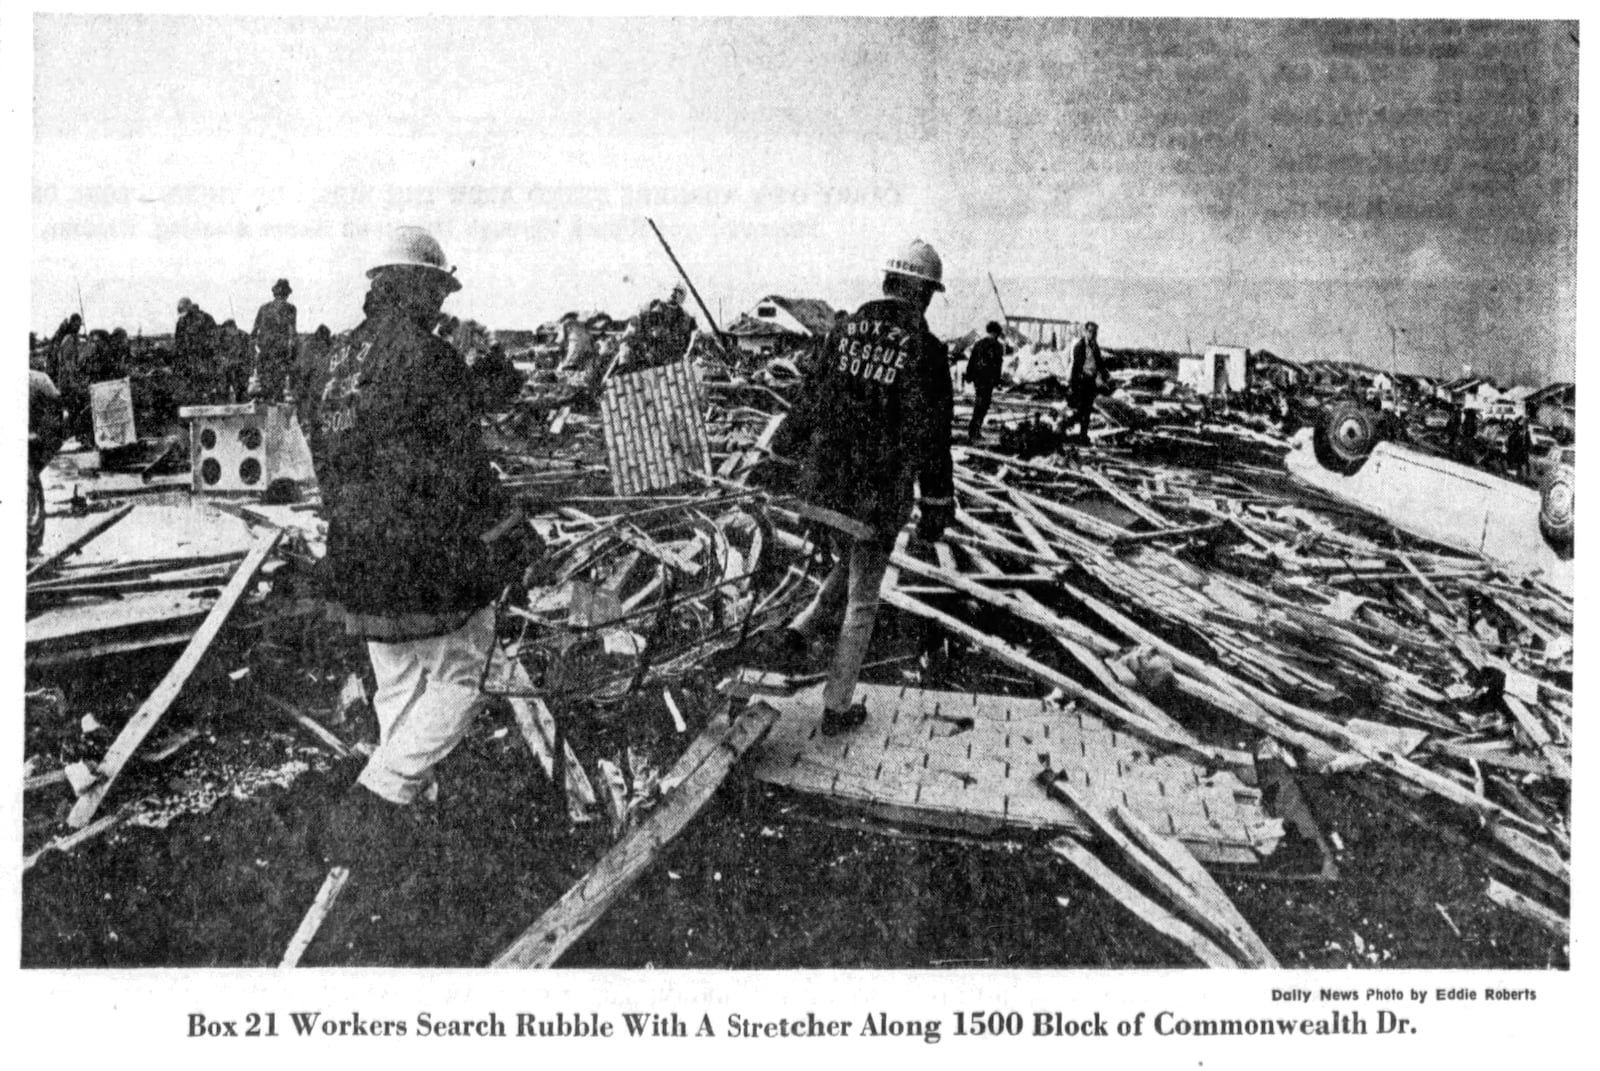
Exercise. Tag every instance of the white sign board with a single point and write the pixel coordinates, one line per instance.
(112, 405)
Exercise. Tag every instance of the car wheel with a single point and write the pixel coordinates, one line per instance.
(1344, 436)
(1555, 509)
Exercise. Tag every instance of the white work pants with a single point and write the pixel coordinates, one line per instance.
(427, 696)
(850, 591)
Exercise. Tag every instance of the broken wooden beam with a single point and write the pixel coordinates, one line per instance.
(310, 725)
(1176, 855)
(1201, 902)
(78, 542)
(156, 704)
(543, 943)
(326, 897)
(1145, 909)
(71, 840)
(1528, 908)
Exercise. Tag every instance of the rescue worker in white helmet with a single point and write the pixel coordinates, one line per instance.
(410, 499)
(872, 419)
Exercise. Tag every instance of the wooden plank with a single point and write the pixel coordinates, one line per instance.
(1176, 855)
(78, 542)
(326, 897)
(1024, 607)
(156, 704)
(1185, 532)
(1512, 900)
(1125, 500)
(310, 725)
(1427, 585)
(1220, 926)
(538, 728)
(1146, 910)
(1539, 735)
(543, 943)
(89, 832)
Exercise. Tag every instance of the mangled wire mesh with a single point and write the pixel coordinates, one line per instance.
(648, 594)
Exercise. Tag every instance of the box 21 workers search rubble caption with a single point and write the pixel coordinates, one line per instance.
(808, 639)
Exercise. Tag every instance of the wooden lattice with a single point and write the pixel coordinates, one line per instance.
(655, 428)
(971, 762)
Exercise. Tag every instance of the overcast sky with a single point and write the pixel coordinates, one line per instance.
(1323, 190)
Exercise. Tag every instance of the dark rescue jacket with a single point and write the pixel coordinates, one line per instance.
(984, 362)
(406, 483)
(874, 415)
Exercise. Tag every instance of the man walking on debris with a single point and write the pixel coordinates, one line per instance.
(874, 416)
(983, 372)
(276, 336)
(1088, 375)
(412, 504)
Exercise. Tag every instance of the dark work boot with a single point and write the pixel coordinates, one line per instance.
(835, 722)
(364, 830)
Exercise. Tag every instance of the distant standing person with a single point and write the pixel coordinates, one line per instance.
(1518, 446)
(69, 376)
(874, 416)
(1467, 449)
(311, 373)
(983, 372)
(1088, 375)
(276, 336)
(660, 334)
(233, 350)
(46, 430)
(194, 341)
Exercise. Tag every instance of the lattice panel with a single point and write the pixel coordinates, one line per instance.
(970, 762)
(655, 428)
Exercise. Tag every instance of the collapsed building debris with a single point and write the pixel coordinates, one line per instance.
(1110, 635)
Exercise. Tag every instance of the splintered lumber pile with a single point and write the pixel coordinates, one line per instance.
(1147, 591)
(1182, 575)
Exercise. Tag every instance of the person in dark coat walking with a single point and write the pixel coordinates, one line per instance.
(1086, 379)
(983, 372)
(412, 503)
(276, 337)
(873, 417)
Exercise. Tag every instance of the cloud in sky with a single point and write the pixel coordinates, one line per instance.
(1170, 178)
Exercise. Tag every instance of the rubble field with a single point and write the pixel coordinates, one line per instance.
(1388, 719)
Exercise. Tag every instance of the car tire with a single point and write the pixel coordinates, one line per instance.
(1555, 509)
(1344, 436)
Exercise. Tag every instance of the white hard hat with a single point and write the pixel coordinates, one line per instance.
(919, 261)
(414, 247)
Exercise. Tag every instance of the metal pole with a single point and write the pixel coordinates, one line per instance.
(997, 300)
